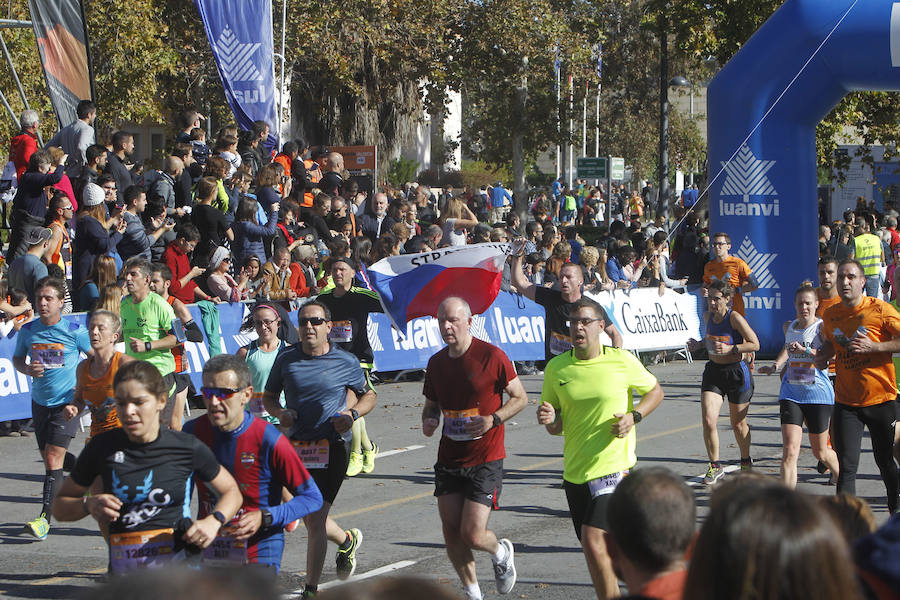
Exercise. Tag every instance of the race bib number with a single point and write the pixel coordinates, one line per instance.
(801, 373)
(455, 424)
(341, 331)
(711, 343)
(52, 356)
(559, 343)
(225, 551)
(314, 454)
(257, 407)
(132, 550)
(606, 484)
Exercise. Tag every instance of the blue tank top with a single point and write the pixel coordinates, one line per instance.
(722, 332)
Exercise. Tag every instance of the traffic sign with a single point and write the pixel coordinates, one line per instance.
(617, 169)
(592, 168)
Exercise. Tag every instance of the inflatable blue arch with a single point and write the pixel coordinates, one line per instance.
(765, 198)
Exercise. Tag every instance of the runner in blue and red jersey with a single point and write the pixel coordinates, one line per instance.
(261, 460)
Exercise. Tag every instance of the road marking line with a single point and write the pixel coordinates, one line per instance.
(545, 463)
(652, 436)
(367, 575)
(373, 507)
(398, 451)
(53, 580)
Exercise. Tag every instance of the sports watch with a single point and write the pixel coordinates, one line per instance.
(266, 519)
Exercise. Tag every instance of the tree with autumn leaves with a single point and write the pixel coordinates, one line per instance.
(367, 71)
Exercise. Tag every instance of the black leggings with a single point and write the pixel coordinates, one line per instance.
(848, 423)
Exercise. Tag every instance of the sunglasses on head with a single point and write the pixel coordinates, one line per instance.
(311, 321)
(218, 392)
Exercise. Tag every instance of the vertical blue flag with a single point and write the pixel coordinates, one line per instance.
(599, 49)
(240, 34)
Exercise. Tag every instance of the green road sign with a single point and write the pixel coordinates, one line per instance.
(592, 168)
(617, 169)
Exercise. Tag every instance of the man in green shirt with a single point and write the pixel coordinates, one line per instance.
(598, 424)
(147, 330)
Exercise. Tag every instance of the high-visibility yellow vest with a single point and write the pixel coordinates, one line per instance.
(867, 248)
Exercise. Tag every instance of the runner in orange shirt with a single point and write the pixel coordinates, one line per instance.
(861, 333)
(827, 292)
(94, 387)
(734, 271)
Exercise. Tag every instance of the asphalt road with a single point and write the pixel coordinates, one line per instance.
(397, 513)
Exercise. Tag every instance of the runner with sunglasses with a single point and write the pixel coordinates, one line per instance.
(325, 391)
(598, 423)
(261, 460)
(350, 307)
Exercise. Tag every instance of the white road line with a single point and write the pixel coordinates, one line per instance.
(698, 480)
(368, 574)
(398, 451)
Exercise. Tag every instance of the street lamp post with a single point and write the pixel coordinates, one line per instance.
(662, 204)
(664, 84)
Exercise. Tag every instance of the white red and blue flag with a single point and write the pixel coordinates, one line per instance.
(414, 285)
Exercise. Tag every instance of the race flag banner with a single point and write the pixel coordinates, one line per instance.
(62, 41)
(414, 285)
(240, 34)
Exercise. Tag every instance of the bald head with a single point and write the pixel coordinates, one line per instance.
(453, 305)
(335, 161)
(454, 319)
(174, 165)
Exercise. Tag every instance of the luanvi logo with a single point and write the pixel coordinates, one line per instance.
(236, 59)
(479, 329)
(759, 264)
(747, 179)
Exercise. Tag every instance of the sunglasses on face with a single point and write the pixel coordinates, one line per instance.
(585, 321)
(314, 321)
(217, 392)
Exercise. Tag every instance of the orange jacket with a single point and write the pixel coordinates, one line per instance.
(285, 161)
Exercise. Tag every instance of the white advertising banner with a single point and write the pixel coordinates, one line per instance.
(649, 320)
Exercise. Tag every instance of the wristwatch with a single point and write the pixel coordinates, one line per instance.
(354, 414)
(497, 420)
(637, 416)
(266, 519)
(220, 517)
(148, 346)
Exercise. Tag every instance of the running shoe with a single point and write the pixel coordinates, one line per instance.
(292, 526)
(368, 458)
(747, 464)
(355, 466)
(39, 527)
(713, 474)
(505, 572)
(308, 594)
(345, 560)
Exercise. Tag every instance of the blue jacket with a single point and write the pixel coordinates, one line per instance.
(499, 197)
(248, 239)
(614, 271)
